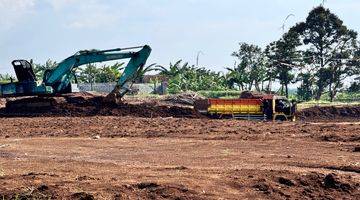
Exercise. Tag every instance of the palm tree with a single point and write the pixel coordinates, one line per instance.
(109, 73)
(141, 73)
(88, 74)
(39, 69)
(237, 76)
(174, 69)
(4, 78)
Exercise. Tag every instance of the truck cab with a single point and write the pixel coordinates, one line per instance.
(281, 109)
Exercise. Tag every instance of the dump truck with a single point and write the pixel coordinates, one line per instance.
(251, 107)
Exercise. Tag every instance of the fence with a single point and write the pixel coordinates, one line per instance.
(140, 88)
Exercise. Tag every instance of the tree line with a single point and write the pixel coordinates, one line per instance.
(319, 54)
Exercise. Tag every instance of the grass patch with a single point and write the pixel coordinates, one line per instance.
(309, 104)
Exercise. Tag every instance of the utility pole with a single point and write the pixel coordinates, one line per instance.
(197, 57)
(323, 2)
(284, 23)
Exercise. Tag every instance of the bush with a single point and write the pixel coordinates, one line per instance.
(354, 88)
(348, 97)
(184, 78)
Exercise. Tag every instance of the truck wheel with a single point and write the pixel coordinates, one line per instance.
(280, 118)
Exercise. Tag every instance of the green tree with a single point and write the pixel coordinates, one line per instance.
(39, 69)
(271, 67)
(237, 76)
(183, 77)
(253, 62)
(108, 73)
(328, 45)
(173, 70)
(282, 56)
(88, 74)
(146, 69)
(5, 78)
(354, 87)
(304, 91)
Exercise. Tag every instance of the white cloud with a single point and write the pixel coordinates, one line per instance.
(92, 15)
(14, 10)
(60, 4)
(78, 14)
(16, 5)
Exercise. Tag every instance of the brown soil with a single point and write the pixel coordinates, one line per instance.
(86, 105)
(84, 149)
(330, 113)
(111, 157)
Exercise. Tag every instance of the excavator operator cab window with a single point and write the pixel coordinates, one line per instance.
(24, 71)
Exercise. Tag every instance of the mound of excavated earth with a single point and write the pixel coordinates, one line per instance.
(91, 106)
(330, 113)
(83, 104)
(256, 185)
(143, 190)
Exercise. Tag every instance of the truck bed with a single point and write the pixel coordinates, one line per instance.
(230, 106)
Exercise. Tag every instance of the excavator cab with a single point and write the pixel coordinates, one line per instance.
(24, 71)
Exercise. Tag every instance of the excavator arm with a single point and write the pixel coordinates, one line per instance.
(59, 78)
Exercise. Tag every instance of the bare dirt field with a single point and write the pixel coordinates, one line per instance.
(160, 157)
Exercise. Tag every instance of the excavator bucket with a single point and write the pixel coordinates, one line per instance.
(129, 75)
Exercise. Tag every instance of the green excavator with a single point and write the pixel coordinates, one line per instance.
(57, 81)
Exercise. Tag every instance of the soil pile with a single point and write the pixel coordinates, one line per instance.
(187, 98)
(135, 191)
(329, 113)
(251, 95)
(288, 185)
(83, 105)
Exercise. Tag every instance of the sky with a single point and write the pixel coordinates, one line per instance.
(175, 29)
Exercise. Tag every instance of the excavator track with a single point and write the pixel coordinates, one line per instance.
(32, 104)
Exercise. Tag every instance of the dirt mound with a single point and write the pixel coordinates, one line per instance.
(85, 105)
(251, 95)
(288, 185)
(42, 191)
(186, 98)
(329, 113)
(135, 191)
(331, 137)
